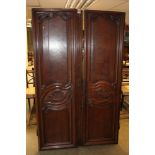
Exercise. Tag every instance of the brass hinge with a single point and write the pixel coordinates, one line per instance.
(83, 53)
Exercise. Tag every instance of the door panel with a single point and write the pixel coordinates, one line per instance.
(55, 33)
(56, 60)
(103, 44)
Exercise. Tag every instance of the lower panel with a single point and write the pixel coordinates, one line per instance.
(53, 123)
(99, 127)
(57, 129)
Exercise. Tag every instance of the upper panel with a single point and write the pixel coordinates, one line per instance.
(55, 47)
(56, 33)
(102, 38)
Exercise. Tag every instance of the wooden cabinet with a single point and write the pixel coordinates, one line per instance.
(78, 93)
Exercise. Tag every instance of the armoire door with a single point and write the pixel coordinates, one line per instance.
(103, 60)
(77, 101)
(56, 45)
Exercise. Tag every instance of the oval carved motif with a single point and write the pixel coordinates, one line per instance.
(56, 96)
(101, 92)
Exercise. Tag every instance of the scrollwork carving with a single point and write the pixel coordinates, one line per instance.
(101, 93)
(56, 96)
(115, 18)
(50, 15)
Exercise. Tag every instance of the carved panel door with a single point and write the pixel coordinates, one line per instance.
(55, 34)
(103, 45)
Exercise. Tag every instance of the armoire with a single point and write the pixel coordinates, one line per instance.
(78, 65)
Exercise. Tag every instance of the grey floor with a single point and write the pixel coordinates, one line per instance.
(122, 148)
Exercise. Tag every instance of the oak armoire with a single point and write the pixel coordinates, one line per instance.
(78, 63)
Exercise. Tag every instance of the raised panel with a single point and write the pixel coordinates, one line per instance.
(56, 55)
(100, 123)
(54, 134)
(103, 46)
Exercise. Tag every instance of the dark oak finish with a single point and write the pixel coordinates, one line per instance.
(78, 95)
(56, 36)
(103, 44)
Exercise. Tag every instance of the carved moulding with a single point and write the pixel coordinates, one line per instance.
(49, 15)
(56, 96)
(101, 93)
(115, 18)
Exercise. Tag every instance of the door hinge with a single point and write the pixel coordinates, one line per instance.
(83, 53)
